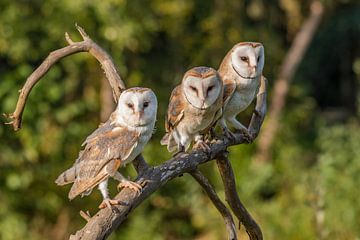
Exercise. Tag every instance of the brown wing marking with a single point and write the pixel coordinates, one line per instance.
(102, 129)
(229, 89)
(81, 186)
(175, 109)
(228, 81)
(102, 157)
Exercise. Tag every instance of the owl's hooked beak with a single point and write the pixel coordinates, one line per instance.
(202, 102)
(203, 105)
(140, 114)
(202, 98)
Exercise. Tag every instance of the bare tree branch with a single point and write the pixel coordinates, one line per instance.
(228, 219)
(107, 101)
(104, 222)
(87, 45)
(287, 71)
(231, 196)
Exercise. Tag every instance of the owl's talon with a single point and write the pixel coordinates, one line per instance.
(202, 145)
(228, 134)
(246, 134)
(143, 182)
(109, 203)
(129, 184)
(215, 141)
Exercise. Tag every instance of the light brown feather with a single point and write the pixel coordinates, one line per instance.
(104, 149)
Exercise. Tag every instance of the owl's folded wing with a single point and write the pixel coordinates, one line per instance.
(229, 89)
(102, 157)
(175, 109)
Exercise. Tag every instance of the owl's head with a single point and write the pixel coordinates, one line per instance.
(247, 59)
(202, 86)
(137, 107)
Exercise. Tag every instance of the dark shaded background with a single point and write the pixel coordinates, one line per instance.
(308, 190)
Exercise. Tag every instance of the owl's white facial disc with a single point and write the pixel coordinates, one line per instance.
(202, 93)
(248, 60)
(137, 107)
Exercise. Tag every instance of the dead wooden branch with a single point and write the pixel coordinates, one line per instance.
(104, 222)
(231, 196)
(228, 219)
(85, 215)
(287, 71)
(107, 100)
(87, 45)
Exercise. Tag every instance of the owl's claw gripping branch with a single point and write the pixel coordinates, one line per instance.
(202, 145)
(109, 203)
(131, 185)
(227, 133)
(245, 134)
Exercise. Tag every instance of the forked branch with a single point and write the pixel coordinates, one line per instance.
(231, 196)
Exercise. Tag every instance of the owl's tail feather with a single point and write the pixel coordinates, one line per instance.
(169, 140)
(66, 177)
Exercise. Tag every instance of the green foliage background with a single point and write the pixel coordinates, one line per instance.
(309, 190)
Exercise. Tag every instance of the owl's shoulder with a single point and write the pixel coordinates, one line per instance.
(229, 86)
(176, 108)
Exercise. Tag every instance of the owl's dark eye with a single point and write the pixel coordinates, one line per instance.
(210, 88)
(194, 89)
(146, 104)
(130, 105)
(244, 59)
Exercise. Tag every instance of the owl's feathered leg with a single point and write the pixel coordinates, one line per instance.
(107, 202)
(240, 128)
(125, 183)
(200, 144)
(181, 149)
(181, 140)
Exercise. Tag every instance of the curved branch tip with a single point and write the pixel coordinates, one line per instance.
(68, 39)
(82, 32)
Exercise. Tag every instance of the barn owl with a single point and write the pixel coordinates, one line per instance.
(241, 72)
(114, 144)
(194, 107)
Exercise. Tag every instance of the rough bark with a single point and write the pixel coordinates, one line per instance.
(282, 83)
